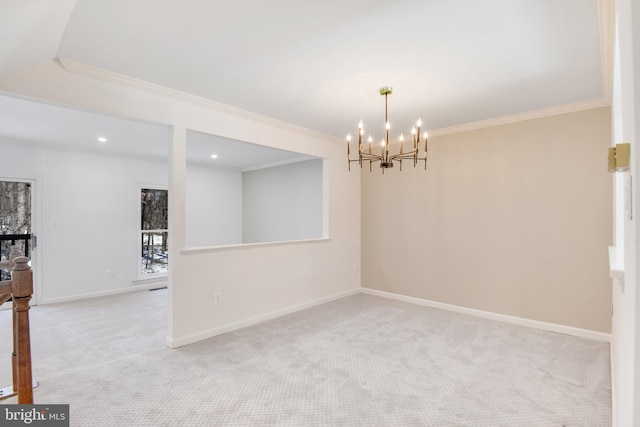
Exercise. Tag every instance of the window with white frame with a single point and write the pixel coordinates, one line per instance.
(154, 231)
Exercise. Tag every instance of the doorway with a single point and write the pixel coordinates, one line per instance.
(16, 220)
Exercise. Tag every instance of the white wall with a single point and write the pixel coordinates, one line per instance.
(254, 281)
(87, 218)
(87, 215)
(283, 202)
(214, 206)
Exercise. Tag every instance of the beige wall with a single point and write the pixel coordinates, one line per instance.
(513, 219)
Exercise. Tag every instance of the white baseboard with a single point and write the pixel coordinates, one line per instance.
(145, 287)
(536, 324)
(192, 338)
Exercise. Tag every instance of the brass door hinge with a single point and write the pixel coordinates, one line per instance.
(619, 157)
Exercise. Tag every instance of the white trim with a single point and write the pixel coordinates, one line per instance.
(616, 264)
(136, 288)
(192, 338)
(201, 249)
(111, 77)
(158, 280)
(606, 25)
(326, 189)
(298, 159)
(520, 321)
(529, 115)
(614, 388)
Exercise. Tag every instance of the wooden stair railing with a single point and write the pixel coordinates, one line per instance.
(19, 289)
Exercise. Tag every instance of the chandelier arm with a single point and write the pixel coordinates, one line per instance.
(372, 157)
(408, 156)
(405, 156)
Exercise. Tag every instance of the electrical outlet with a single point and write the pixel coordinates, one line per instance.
(356, 269)
(217, 298)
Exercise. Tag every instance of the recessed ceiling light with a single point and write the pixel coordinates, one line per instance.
(214, 156)
(102, 139)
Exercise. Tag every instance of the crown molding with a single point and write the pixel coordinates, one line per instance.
(108, 76)
(606, 25)
(100, 74)
(529, 115)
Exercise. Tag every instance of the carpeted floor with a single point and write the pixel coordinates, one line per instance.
(358, 361)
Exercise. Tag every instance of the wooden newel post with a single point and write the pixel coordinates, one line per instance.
(14, 252)
(22, 289)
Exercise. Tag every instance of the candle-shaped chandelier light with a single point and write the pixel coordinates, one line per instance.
(386, 161)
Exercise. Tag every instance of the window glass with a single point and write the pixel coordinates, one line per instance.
(154, 231)
(15, 220)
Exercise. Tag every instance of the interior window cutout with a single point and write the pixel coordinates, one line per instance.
(250, 193)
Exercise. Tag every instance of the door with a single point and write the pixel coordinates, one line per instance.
(16, 219)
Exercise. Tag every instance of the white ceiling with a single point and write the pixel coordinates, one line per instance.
(234, 154)
(320, 64)
(51, 126)
(55, 127)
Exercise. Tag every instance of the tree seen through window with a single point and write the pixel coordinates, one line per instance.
(154, 226)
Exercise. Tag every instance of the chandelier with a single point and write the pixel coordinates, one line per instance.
(386, 160)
